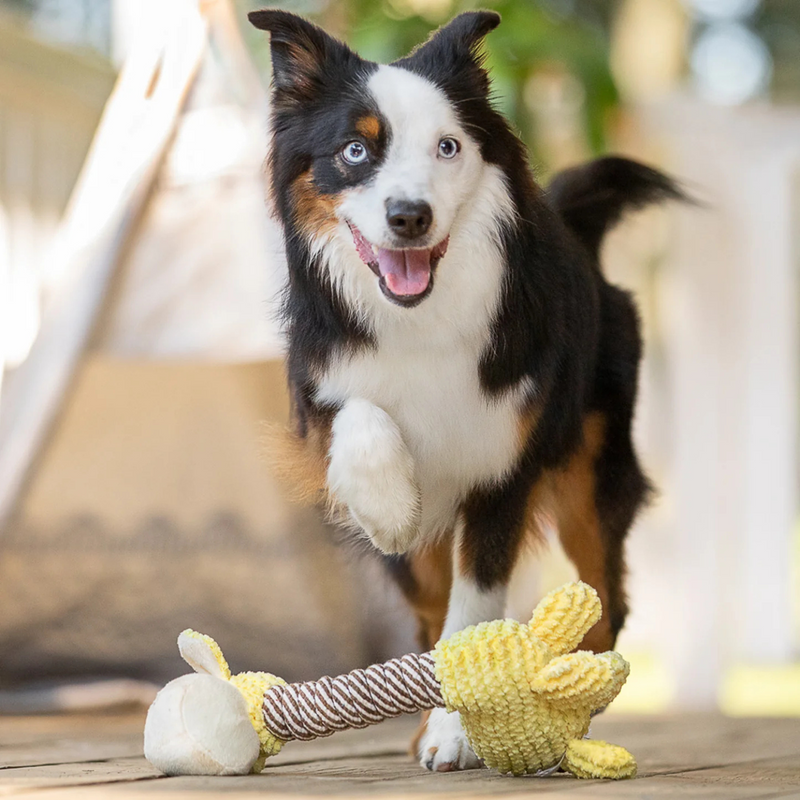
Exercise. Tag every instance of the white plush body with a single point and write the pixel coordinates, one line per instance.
(198, 724)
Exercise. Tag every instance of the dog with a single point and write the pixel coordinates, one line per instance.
(459, 367)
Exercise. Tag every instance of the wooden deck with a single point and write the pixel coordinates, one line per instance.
(88, 757)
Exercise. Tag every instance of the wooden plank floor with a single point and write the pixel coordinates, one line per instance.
(703, 756)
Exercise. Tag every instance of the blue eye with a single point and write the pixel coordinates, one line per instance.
(354, 153)
(449, 147)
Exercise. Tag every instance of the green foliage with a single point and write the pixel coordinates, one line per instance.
(778, 24)
(570, 35)
(19, 5)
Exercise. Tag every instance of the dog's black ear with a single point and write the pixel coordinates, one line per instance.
(463, 33)
(302, 54)
(455, 48)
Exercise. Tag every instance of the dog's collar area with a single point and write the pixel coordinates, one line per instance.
(405, 275)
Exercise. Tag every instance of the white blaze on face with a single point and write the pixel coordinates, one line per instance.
(418, 115)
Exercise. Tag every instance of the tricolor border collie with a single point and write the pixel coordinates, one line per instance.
(459, 367)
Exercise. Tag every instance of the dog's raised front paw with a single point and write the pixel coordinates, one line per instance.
(444, 746)
(372, 473)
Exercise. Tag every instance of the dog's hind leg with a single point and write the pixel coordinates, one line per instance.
(596, 499)
(602, 488)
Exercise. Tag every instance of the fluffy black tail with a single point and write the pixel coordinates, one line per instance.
(593, 197)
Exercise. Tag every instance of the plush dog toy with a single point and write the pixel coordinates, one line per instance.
(525, 699)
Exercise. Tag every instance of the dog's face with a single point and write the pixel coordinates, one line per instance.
(379, 160)
(414, 176)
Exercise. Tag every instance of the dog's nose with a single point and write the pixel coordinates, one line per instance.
(408, 218)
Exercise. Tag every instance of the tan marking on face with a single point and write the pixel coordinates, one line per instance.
(315, 212)
(369, 127)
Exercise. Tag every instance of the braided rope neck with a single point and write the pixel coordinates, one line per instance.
(363, 697)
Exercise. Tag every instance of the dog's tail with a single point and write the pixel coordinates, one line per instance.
(592, 198)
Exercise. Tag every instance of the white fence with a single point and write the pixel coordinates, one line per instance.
(728, 331)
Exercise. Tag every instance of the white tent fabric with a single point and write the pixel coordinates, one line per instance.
(204, 184)
(207, 267)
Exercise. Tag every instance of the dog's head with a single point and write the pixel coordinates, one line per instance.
(380, 160)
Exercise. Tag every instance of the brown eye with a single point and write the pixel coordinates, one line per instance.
(449, 147)
(354, 153)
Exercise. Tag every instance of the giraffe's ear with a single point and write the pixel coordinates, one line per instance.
(303, 55)
(565, 616)
(203, 655)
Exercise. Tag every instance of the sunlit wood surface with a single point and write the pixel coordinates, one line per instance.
(688, 756)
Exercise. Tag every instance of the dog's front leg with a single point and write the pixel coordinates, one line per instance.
(371, 472)
(443, 747)
(485, 547)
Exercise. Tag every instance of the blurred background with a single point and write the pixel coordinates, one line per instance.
(139, 352)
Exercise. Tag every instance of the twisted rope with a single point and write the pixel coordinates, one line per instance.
(360, 698)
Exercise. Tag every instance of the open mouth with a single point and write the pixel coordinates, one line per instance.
(405, 276)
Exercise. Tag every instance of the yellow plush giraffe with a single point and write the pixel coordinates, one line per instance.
(525, 699)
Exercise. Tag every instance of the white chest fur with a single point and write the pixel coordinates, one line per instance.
(457, 437)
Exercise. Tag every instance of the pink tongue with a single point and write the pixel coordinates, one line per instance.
(406, 272)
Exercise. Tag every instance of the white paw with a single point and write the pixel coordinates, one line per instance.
(444, 746)
(372, 473)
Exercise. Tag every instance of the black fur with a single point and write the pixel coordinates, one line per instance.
(592, 198)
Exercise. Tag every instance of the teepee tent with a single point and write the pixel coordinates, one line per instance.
(134, 500)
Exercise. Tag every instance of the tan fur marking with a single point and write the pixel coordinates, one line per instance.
(369, 127)
(433, 574)
(565, 498)
(432, 569)
(315, 212)
(413, 745)
(301, 464)
(575, 511)
(527, 422)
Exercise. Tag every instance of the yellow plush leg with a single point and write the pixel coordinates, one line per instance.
(590, 758)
